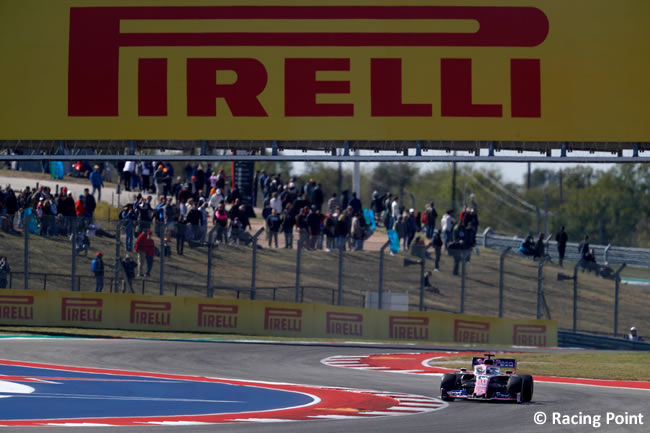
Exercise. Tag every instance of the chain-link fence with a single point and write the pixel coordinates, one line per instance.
(57, 253)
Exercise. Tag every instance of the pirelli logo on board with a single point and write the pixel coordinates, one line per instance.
(283, 319)
(344, 324)
(16, 307)
(150, 313)
(81, 309)
(408, 328)
(217, 316)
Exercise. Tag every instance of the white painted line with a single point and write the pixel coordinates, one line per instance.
(409, 409)
(78, 424)
(420, 404)
(382, 413)
(415, 399)
(177, 423)
(261, 420)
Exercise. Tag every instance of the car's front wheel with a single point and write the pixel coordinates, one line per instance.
(448, 383)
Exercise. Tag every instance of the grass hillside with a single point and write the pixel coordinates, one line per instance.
(186, 275)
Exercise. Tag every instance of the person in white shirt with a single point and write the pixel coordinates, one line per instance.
(127, 173)
(276, 203)
(394, 211)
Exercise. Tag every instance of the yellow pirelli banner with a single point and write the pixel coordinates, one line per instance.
(160, 313)
(522, 70)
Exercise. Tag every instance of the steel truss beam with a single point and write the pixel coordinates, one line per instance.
(334, 158)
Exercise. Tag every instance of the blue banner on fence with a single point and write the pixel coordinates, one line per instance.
(369, 216)
(394, 241)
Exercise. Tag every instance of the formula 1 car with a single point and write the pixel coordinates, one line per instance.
(487, 381)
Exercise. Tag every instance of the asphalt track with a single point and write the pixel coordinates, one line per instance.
(301, 364)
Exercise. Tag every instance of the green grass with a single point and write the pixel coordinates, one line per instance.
(593, 365)
(187, 276)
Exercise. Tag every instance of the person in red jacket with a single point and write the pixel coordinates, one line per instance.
(145, 249)
(79, 206)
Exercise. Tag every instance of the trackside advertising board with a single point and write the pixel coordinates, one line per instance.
(522, 70)
(231, 316)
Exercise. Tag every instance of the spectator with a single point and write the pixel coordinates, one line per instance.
(318, 197)
(181, 227)
(561, 238)
(144, 212)
(235, 230)
(129, 266)
(303, 227)
(127, 173)
(329, 228)
(411, 227)
(128, 218)
(273, 222)
(448, 222)
(314, 227)
(527, 246)
(357, 230)
(97, 182)
(400, 228)
(221, 222)
(97, 268)
(431, 217)
(146, 250)
(288, 222)
(355, 203)
(79, 207)
(632, 336)
(539, 247)
(341, 230)
(194, 218)
(333, 205)
(5, 269)
(583, 248)
(89, 204)
(395, 212)
(276, 203)
(461, 247)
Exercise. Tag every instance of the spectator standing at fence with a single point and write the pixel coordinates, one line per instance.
(89, 204)
(314, 227)
(79, 207)
(146, 250)
(411, 227)
(431, 217)
(355, 203)
(539, 247)
(357, 231)
(97, 268)
(561, 238)
(97, 182)
(527, 246)
(583, 249)
(128, 218)
(11, 206)
(145, 215)
(329, 227)
(127, 173)
(341, 230)
(194, 218)
(129, 265)
(5, 269)
(632, 336)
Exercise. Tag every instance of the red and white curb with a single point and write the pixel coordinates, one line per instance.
(418, 363)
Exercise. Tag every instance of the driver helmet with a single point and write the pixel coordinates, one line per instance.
(633, 329)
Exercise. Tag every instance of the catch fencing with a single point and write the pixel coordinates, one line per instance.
(493, 279)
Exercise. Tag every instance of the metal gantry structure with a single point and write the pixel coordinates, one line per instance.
(326, 151)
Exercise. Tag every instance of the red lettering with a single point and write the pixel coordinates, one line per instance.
(241, 96)
(386, 91)
(152, 87)
(456, 91)
(301, 87)
(525, 88)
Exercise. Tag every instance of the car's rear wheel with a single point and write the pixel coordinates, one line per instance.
(448, 383)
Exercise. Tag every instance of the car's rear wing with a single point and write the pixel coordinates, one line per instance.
(502, 363)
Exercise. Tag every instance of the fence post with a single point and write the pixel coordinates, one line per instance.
(28, 219)
(118, 259)
(340, 282)
(255, 236)
(161, 233)
(502, 259)
(540, 267)
(575, 295)
(606, 253)
(617, 279)
(422, 284)
(210, 247)
(298, 254)
(74, 251)
(380, 291)
(463, 256)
